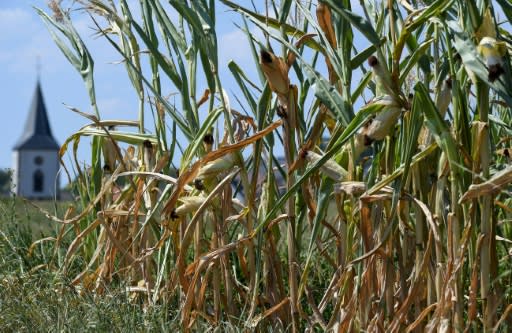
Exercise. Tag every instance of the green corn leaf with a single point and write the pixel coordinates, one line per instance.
(357, 21)
(80, 57)
(436, 9)
(241, 78)
(330, 97)
(191, 151)
(438, 127)
(414, 59)
(167, 26)
(273, 23)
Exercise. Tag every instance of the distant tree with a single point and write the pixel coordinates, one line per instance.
(5, 180)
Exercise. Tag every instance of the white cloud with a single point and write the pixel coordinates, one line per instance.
(27, 40)
(13, 21)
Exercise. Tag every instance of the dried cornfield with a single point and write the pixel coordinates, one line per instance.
(390, 210)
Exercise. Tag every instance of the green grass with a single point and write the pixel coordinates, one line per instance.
(23, 214)
(33, 299)
(43, 301)
(36, 297)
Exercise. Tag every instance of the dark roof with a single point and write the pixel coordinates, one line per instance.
(37, 133)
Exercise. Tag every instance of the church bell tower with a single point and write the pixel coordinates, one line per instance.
(36, 155)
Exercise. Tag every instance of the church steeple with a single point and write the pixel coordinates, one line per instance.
(37, 133)
(36, 155)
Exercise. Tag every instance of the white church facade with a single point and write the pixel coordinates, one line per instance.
(36, 155)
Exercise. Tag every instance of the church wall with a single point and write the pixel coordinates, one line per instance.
(15, 171)
(27, 162)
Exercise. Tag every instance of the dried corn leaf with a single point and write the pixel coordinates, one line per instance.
(495, 184)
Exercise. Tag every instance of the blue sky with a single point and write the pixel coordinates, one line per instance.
(29, 40)
(25, 39)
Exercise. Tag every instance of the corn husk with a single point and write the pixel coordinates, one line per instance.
(208, 142)
(330, 168)
(149, 155)
(493, 53)
(444, 97)
(213, 168)
(381, 77)
(492, 50)
(384, 121)
(189, 205)
(359, 145)
(276, 72)
(109, 151)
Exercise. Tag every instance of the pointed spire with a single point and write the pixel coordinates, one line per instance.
(38, 68)
(37, 133)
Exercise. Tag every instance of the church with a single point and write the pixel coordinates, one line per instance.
(36, 155)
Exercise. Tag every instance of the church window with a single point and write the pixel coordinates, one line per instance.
(38, 180)
(38, 160)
